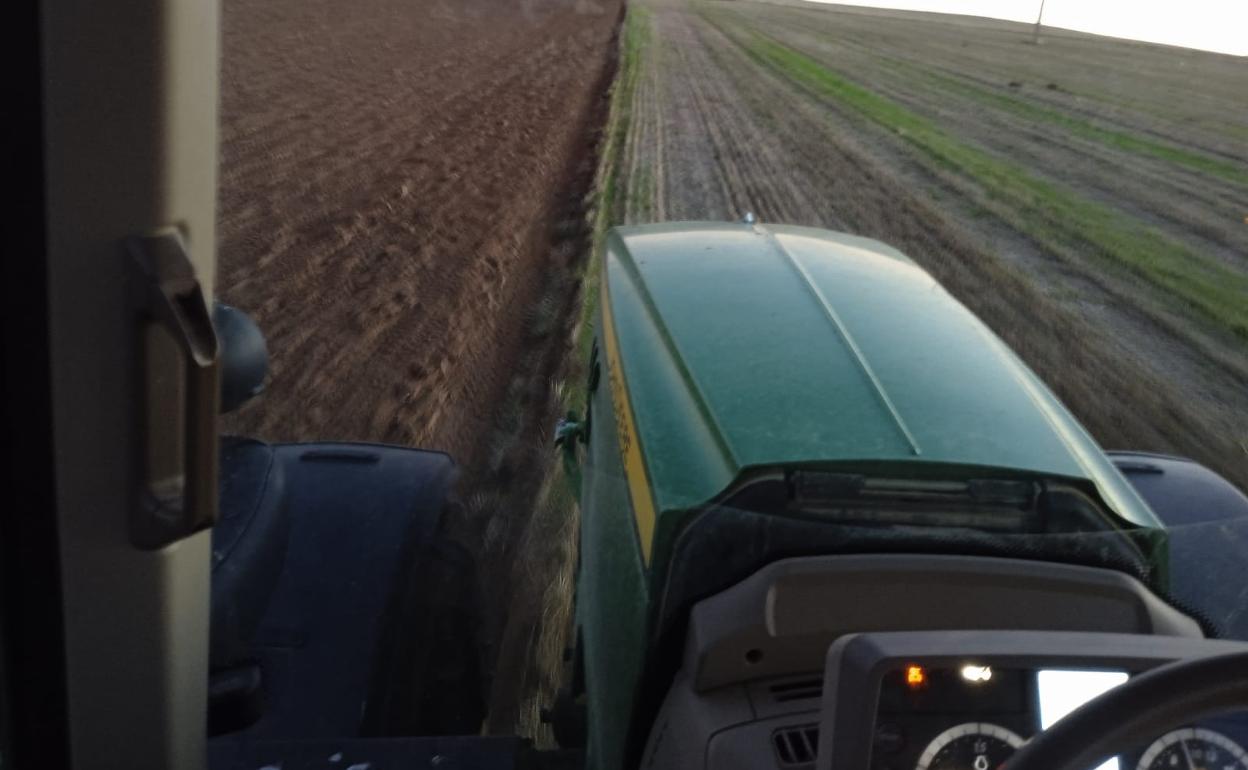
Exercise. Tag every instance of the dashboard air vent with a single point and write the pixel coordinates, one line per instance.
(800, 689)
(796, 746)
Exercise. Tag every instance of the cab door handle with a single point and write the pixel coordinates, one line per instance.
(176, 492)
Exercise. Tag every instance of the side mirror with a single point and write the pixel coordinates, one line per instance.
(244, 356)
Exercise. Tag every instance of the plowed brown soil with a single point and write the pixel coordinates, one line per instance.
(393, 177)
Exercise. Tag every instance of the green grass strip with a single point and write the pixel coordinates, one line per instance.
(1119, 140)
(1051, 213)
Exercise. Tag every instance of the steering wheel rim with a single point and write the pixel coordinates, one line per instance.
(1139, 711)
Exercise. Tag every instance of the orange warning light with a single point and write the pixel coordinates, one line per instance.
(916, 677)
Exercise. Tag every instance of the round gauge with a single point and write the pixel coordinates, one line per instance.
(1194, 748)
(970, 746)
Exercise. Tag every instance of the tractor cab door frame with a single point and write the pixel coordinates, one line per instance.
(104, 395)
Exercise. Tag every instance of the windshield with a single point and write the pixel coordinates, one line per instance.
(416, 207)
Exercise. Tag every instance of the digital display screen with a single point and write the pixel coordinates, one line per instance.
(1062, 691)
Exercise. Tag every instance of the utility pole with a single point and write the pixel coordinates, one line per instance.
(1035, 39)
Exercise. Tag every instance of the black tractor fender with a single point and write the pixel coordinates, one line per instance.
(358, 608)
(1206, 520)
(1181, 491)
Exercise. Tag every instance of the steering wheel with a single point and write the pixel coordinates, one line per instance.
(1138, 711)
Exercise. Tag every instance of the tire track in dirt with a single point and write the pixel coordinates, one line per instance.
(743, 160)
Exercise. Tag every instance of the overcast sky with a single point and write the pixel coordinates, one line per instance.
(1214, 25)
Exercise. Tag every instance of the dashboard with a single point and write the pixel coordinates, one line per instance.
(920, 662)
(973, 717)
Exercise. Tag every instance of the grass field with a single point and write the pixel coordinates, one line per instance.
(1087, 197)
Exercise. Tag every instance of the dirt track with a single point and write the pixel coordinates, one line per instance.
(718, 130)
(397, 181)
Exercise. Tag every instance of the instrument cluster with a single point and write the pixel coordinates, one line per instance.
(975, 717)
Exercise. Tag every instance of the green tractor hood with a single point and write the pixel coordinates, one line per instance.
(742, 347)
